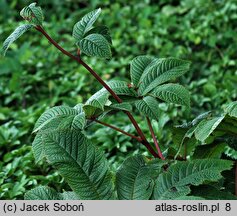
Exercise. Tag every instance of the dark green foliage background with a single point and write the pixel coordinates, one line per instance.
(35, 76)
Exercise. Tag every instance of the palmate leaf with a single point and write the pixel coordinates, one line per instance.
(148, 106)
(33, 14)
(176, 181)
(47, 193)
(137, 67)
(61, 117)
(82, 165)
(95, 45)
(85, 24)
(172, 93)
(14, 36)
(162, 71)
(206, 127)
(134, 179)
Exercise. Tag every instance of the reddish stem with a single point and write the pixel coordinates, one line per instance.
(154, 139)
(114, 95)
(118, 129)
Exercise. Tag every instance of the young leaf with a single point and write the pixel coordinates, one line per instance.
(133, 179)
(137, 67)
(14, 36)
(33, 14)
(206, 127)
(176, 181)
(85, 24)
(148, 106)
(172, 93)
(38, 147)
(95, 45)
(103, 30)
(161, 72)
(82, 165)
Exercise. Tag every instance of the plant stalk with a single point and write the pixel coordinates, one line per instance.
(114, 95)
(154, 139)
(118, 129)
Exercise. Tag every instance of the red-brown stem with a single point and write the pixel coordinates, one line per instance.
(154, 139)
(118, 129)
(114, 95)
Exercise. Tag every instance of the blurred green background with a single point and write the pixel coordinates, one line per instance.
(35, 76)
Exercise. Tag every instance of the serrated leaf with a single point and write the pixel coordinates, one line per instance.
(133, 180)
(95, 45)
(137, 67)
(38, 148)
(100, 98)
(14, 36)
(164, 70)
(85, 24)
(47, 193)
(33, 14)
(121, 106)
(61, 117)
(211, 193)
(214, 150)
(175, 182)
(172, 93)
(82, 165)
(206, 127)
(149, 106)
(103, 30)
(231, 109)
(230, 152)
(42, 193)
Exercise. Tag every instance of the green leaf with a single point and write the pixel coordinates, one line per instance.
(42, 193)
(214, 150)
(189, 198)
(206, 127)
(133, 179)
(137, 67)
(164, 70)
(121, 106)
(211, 193)
(82, 165)
(38, 147)
(33, 14)
(103, 30)
(230, 152)
(95, 45)
(231, 109)
(14, 36)
(148, 106)
(47, 193)
(85, 24)
(172, 93)
(100, 98)
(175, 182)
(61, 117)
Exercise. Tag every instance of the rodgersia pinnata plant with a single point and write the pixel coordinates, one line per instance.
(60, 131)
